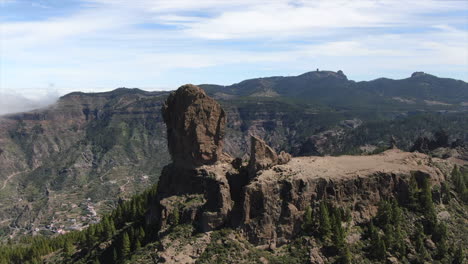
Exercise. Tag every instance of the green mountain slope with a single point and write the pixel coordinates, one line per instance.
(334, 89)
(62, 166)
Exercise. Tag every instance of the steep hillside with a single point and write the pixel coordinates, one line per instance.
(62, 166)
(209, 207)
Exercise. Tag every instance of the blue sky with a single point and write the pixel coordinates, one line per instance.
(58, 46)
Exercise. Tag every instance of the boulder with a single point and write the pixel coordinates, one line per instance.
(195, 127)
(284, 158)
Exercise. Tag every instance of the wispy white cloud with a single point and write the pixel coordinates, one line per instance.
(110, 43)
(15, 103)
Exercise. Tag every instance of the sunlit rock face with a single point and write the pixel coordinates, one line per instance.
(195, 127)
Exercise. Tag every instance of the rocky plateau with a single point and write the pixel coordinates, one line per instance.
(265, 198)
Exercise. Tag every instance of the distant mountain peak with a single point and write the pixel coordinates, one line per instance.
(418, 74)
(317, 74)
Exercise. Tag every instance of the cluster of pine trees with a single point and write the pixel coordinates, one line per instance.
(388, 234)
(124, 230)
(329, 225)
(460, 182)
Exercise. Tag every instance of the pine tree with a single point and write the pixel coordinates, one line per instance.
(460, 181)
(141, 235)
(384, 214)
(346, 257)
(67, 249)
(379, 249)
(440, 232)
(371, 231)
(442, 249)
(427, 206)
(413, 193)
(125, 246)
(107, 232)
(459, 256)
(307, 226)
(419, 241)
(338, 234)
(90, 236)
(397, 213)
(324, 222)
(115, 257)
(131, 233)
(389, 237)
(445, 192)
(400, 245)
(112, 227)
(137, 244)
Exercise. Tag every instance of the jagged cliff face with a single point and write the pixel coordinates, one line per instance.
(269, 208)
(196, 125)
(275, 201)
(62, 165)
(265, 199)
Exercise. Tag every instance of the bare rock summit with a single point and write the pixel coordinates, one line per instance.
(195, 127)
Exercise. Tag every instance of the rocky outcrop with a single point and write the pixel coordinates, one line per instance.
(275, 202)
(262, 156)
(266, 197)
(284, 158)
(189, 190)
(199, 196)
(196, 188)
(195, 126)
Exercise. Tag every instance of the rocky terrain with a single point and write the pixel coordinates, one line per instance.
(265, 200)
(90, 150)
(212, 207)
(84, 152)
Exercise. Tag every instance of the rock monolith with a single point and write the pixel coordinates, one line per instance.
(195, 127)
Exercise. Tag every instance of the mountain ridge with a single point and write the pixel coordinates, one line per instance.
(92, 142)
(326, 85)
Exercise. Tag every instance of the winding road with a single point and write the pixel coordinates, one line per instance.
(9, 178)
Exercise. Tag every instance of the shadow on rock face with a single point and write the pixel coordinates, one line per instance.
(195, 127)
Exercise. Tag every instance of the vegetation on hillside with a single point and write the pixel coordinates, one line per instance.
(407, 230)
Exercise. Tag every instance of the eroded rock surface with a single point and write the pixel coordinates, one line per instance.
(189, 190)
(266, 198)
(275, 202)
(195, 126)
(200, 196)
(262, 156)
(284, 158)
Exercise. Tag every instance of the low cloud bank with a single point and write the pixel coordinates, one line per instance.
(16, 103)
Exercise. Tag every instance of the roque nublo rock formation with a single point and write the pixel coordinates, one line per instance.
(195, 126)
(266, 197)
